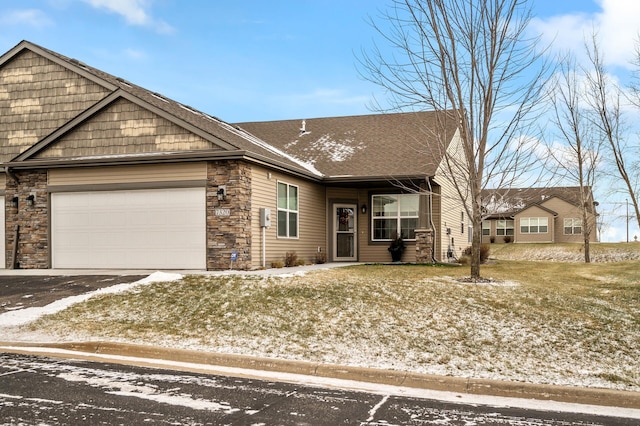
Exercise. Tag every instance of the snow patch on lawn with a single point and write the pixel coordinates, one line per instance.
(24, 316)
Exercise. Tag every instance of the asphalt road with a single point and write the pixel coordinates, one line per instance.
(19, 291)
(38, 390)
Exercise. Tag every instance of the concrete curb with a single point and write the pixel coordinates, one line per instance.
(591, 396)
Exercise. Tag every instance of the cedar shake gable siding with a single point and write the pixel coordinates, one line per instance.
(219, 133)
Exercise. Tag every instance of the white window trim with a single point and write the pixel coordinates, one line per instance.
(505, 228)
(287, 211)
(398, 217)
(537, 224)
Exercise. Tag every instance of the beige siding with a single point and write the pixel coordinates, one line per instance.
(547, 237)
(124, 128)
(566, 210)
(378, 251)
(36, 97)
(3, 181)
(312, 218)
(128, 174)
(453, 216)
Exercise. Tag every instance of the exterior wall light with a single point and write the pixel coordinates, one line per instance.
(222, 193)
(363, 209)
(31, 199)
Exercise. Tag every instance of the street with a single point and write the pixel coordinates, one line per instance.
(39, 390)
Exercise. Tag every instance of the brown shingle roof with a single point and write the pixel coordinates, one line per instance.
(380, 145)
(512, 200)
(219, 132)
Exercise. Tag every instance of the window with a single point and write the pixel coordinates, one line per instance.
(287, 210)
(486, 227)
(394, 213)
(504, 227)
(572, 226)
(534, 225)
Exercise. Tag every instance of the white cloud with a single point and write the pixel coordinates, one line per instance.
(135, 54)
(134, 12)
(616, 24)
(31, 17)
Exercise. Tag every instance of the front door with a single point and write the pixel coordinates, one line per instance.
(345, 232)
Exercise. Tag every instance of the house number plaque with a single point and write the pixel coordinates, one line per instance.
(222, 212)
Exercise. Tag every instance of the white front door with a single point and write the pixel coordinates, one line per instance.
(345, 227)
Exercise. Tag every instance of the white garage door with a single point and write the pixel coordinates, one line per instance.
(2, 239)
(144, 229)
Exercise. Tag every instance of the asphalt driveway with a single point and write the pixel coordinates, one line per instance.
(25, 291)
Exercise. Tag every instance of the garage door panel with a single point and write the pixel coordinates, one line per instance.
(130, 229)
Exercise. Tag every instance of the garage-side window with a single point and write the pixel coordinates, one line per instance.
(287, 210)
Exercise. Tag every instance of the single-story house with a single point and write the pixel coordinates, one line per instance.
(97, 172)
(538, 215)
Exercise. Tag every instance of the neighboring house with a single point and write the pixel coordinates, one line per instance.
(97, 172)
(537, 215)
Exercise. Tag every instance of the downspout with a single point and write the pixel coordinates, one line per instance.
(433, 227)
(16, 235)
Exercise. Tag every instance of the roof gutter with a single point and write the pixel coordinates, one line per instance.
(169, 157)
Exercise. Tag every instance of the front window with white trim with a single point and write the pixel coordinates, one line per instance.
(287, 210)
(394, 214)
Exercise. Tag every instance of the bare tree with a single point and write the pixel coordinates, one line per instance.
(579, 157)
(605, 99)
(475, 59)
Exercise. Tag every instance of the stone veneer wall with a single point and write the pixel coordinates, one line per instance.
(424, 246)
(33, 237)
(226, 234)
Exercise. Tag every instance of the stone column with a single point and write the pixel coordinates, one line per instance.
(229, 221)
(31, 218)
(424, 246)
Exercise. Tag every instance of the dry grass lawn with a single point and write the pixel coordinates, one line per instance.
(540, 322)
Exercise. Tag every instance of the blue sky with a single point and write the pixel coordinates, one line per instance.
(256, 60)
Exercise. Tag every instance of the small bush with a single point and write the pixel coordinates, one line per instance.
(300, 262)
(492, 239)
(321, 257)
(508, 239)
(277, 264)
(485, 249)
(290, 259)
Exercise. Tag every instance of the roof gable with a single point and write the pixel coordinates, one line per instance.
(32, 143)
(124, 128)
(512, 200)
(38, 95)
